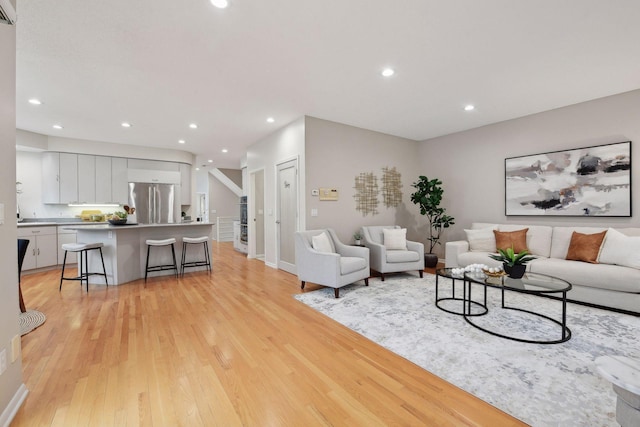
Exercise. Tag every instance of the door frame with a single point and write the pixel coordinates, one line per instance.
(296, 164)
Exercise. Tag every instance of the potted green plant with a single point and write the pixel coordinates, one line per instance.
(428, 196)
(357, 237)
(514, 264)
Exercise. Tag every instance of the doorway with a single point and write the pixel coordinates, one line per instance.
(287, 215)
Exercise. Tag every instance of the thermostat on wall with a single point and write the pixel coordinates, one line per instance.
(328, 194)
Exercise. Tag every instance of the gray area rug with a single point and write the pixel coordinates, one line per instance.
(542, 385)
(30, 320)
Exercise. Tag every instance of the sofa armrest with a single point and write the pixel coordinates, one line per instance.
(378, 254)
(452, 250)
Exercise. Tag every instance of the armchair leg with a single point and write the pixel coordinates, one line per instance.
(366, 281)
(421, 273)
(336, 292)
(302, 284)
(382, 276)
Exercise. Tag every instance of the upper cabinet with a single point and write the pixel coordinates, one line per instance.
(104, 179)
(84, 178)
(185, 183)
(119, 181)
(59, 177)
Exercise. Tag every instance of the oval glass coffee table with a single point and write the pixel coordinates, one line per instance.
(534, 284)
(477, 308)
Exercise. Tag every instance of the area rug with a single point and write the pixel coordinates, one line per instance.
(542, 385)
(30, 320)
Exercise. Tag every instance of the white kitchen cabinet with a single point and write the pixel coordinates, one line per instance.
(185, 184)
(103, 180)
(50, 177)
(68, 178)
(86, 178)
(119, 181)
(154, 165)
(59, 178)
(43, 246)
(66, 236)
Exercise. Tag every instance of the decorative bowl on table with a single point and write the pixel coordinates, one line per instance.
(491, 272)
(120, 221)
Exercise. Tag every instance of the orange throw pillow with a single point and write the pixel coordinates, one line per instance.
(585, 247)
(516, 239)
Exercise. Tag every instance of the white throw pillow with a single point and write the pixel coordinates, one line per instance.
(395, 238)
(481, 240)
(620, 249)
(321, 243)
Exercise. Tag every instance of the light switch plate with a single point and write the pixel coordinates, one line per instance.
(314, 212)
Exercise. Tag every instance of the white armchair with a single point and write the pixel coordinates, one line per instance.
(392, 256)
(321, 258)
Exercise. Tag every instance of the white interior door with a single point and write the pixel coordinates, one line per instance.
(287, 215)
(257, 224)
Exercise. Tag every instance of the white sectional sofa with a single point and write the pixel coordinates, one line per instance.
(614, 284)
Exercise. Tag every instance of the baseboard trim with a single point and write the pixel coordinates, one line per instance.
(14, 405)
(270, 264)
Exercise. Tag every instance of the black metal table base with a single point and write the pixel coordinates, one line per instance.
(463, 300)
(565, 331)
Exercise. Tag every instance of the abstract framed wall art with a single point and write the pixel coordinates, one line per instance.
(590, 181)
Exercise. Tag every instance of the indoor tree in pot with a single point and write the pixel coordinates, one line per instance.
(428, 196)
(514, 264)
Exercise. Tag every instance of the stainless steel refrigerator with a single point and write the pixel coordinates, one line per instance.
(155, 203)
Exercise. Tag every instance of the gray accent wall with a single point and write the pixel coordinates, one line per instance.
(336, 154)
(471, 163)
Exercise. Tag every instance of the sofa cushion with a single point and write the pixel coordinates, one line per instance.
(620, 249)
(603, 276)
(375, 232)
(512, 239)
(562, 237)
(322, 243)
(395, 238)
(468, 258)
(482, 240)
(585, 247)
(402, 256)
(349, 264)
(538, 237)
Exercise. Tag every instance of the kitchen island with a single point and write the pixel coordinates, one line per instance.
(125, 250)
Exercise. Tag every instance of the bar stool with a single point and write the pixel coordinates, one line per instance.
(83, 265)
(157, 243)
(204, 240)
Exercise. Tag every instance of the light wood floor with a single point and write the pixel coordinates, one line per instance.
(231, 348)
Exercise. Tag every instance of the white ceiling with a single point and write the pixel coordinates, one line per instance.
(163, 64)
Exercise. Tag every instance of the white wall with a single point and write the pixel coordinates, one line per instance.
(336, 154)
(471, 163)
(284, 144)
(12, 389)
(222, 200)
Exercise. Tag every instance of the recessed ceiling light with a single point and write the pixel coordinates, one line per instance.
(181, 141)
(469, 107)
(193, 126)
(197, 169)
(57, 127)
(210, 161)
(224, 150)
(270, 120)
(388, 72)
(125, 125)
(35, 101)
(221, 4)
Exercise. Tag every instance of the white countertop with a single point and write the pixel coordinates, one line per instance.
(107, 226)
